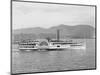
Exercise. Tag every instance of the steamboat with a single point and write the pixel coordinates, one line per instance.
(51, 44)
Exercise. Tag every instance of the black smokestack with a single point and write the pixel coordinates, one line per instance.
(58, 35)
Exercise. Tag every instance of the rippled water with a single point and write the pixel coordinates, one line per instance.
(42, 61)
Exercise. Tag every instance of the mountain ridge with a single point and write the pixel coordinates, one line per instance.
(78, 31)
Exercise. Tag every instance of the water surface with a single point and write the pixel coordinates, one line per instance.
(42, 61)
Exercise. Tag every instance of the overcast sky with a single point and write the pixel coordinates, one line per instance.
(26, 15)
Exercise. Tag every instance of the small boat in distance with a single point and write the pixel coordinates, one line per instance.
(51, 44)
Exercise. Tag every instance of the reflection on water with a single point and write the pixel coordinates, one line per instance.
(41, 61)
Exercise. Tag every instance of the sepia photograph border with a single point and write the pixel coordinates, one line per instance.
(58, 4)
